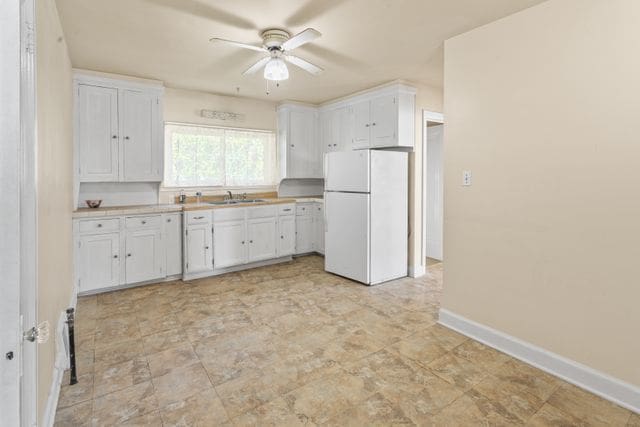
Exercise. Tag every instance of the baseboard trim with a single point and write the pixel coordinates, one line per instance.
(599, 383)
(417, 271)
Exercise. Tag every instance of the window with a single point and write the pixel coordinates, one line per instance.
(204, 156)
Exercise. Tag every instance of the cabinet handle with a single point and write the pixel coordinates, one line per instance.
(198, 217)
(115, 256)
(99, 225)
(128, 255)
(287, 210)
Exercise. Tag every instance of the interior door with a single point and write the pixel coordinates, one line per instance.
(198, 247)
(360, 115)
(144, 255)
(262, 238)
(230, 243)
(347, 236)
(141, 152)
(384, 118)
(173, 244)
(99, 261)
(98, 137)
(287, 235)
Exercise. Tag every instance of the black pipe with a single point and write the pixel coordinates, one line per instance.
(72, 346)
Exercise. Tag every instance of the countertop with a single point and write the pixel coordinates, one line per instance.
(175, 207)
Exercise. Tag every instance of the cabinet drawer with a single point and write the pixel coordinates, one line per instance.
(286, 209)
(304, 209)
(100, 225)
(143, 222)
(228, 214)
(262, 212)
(198, 217)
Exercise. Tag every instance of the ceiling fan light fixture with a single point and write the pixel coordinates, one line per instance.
(276, 70)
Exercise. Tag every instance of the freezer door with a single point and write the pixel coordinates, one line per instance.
(347, 235)
(347, 171)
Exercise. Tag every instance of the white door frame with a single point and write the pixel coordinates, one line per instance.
(434, 117)
(18, 213)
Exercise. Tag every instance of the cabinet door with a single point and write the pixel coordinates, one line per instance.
(343, 130)
(384, 119)
(303, 154)
(145, 253)
(198, 248)
(173, 244)
(97, 127)
(304, 234)
(287, 235)
(262, 239)
(326, 131)
(99, 258)
(140, 140)
(318, 227)
(360, 114)
(230, 243)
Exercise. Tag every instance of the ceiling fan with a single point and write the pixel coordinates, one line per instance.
(277, 44)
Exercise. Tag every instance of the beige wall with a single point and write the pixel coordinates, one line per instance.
(185, 105)
(429, 99)
(55, 183)
(543, 108)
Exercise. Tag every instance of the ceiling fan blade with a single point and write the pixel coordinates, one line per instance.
(301, 38)
(255, 67)
(305, 65)
(239, 44)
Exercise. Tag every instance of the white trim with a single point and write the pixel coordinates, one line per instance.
(610, 388)
(392, 88)
(79, 78)
(218, 271)
(416, 271)
(427, 116)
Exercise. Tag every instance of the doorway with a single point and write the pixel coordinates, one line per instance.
(432, 186)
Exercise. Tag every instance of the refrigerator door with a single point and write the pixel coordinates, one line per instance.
(347, 235)
(347, 171)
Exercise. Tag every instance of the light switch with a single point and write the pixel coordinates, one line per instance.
(466, 178)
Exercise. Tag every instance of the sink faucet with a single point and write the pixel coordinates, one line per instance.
(230, 195)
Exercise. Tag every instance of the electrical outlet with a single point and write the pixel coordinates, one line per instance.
(466, 178)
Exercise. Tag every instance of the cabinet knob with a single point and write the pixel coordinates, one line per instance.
(282, 237)
(373, 124)
(168, 219)
(367, 125)
(115, 256)
(128, 255)
(206, 247)
(115, 137)
(335, 145)
(243, 242)
(144, 222)
(292, 145)
(126, 137)
(250, 241)
(99, 225)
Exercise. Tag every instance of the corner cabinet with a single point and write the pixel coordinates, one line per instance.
(118, 130)
(298, 142)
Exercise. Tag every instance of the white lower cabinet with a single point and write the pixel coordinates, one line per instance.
(173, 243)
(304, 234)
(145, 254)
(262, 238)
(198, 248)
(287, 235)
(230, 243)
(98, 261)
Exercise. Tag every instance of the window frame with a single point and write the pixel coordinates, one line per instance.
(216, 188)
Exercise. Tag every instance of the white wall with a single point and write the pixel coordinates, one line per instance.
(544, 108)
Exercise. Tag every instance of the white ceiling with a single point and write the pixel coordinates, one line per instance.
(363, 43)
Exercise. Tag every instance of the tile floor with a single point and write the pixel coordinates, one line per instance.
(292, 345)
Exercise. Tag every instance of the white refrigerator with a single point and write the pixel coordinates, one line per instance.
(366, 214)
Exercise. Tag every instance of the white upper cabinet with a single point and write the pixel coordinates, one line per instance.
(300, 154)
(335, 128)
(361, 122)
(97, 133)
(384, 118)
(118, 132)
(141, 153)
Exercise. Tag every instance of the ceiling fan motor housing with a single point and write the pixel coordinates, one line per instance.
(273, 38)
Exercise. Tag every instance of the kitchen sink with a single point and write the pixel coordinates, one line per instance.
(235, 202)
